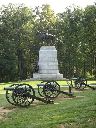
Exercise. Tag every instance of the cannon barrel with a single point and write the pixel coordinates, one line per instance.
(13, 88)
(9, 88)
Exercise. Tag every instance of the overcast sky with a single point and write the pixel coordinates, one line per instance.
(56, 5)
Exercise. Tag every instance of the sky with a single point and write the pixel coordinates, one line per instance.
(56, 5)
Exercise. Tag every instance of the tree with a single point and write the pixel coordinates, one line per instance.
(89, 37)
(45, 22)
(16, 28)
(68, 29)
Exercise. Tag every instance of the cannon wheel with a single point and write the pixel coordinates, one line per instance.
(9, 94)
(41, 89)
(79, 85)
(23, 95)
(51, 89)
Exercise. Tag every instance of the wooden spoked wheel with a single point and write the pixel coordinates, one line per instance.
(23, 95)
(9, 94)
(51, 89)
(80, 83)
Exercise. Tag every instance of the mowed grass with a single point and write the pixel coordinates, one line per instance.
(77, 112)
(34, 83)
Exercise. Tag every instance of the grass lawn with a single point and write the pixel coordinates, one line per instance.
(77, 112)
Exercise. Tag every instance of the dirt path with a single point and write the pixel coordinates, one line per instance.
(4, 111)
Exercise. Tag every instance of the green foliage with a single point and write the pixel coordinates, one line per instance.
(16, 27)
(19, 44)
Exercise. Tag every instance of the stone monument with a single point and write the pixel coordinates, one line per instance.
(48, 64)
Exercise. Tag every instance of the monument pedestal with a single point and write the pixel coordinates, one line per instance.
(47, 76)
(48, 64)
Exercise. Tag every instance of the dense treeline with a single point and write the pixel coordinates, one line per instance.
(75, 40)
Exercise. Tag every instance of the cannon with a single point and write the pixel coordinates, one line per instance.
(24, 94)
(81, 83)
